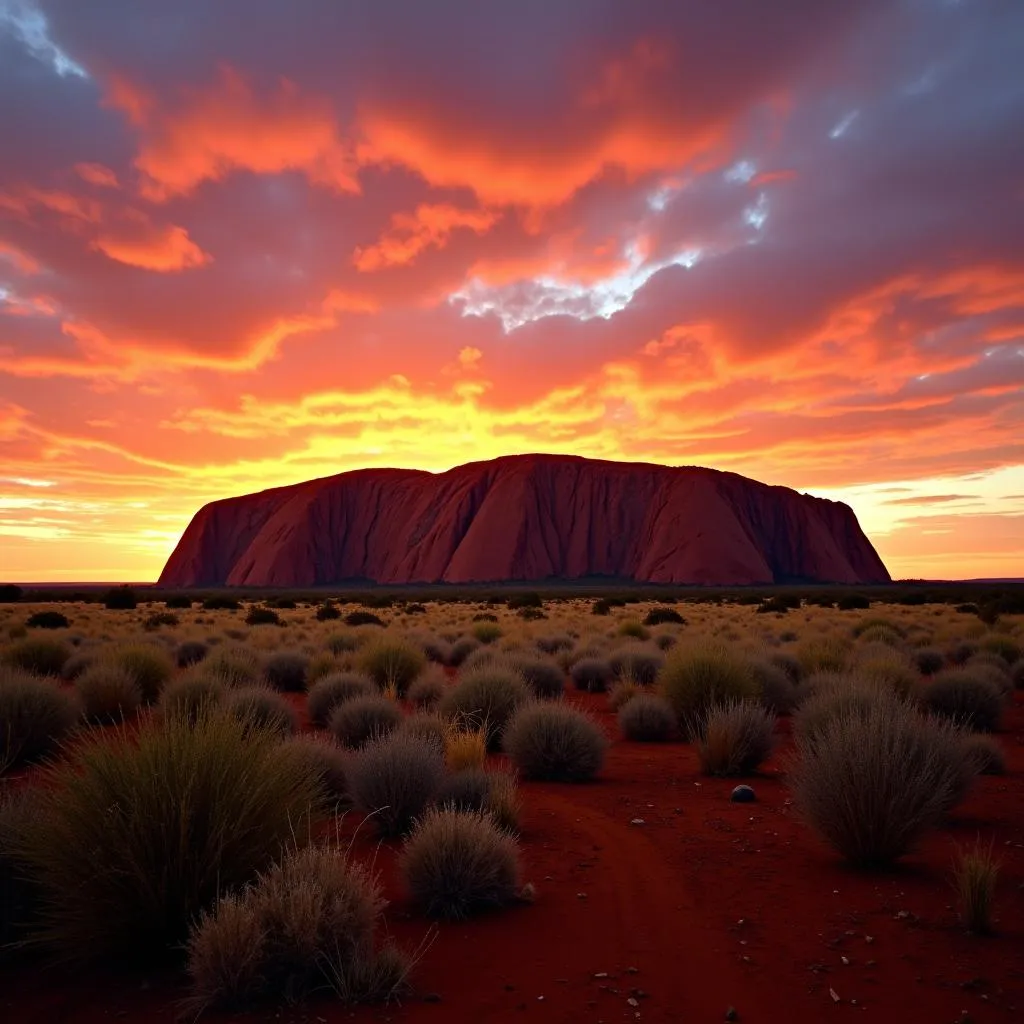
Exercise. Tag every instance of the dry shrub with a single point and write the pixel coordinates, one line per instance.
(308, 924)
(234, 665)
(633, 628)
(823, 654)
(465, 748)
(928, 660)
(503, 802)
(35, 716)
(545, 679)
(40, 655)
(192, 695)
(107, 693)
(486, 632)
(461, 649)
(149, 667)
(393, 779)
(697, 676)
(1003, 646)
(391, 663)
(485, 697)
(286, 671)
(556, 742)
(592, 675)
(872, 781)
(777, 690)
(262, 708)
(426, 726)
(169, 817)
(190, 652)
(622, 693)
(361, 719)
(554, 643)
(343, 643)
(986, 753)
(832, 694)
(647, 719)
(975, 873)
(320, 666)
(428, 689)
(735, 738)
(324, 760)
(458, 863)
(891, 669)
(331, 691)
(637, 663)
(966, 697)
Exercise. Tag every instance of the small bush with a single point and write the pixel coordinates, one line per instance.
(179, 601)
(286, 671)
(465, 748)
(261, 616)
(40, 655)
(391, 663)
(555, 742)
(261, 708)
(554, 643)
(928, 661)
(120, 599)
(853, 602)
(823, 654)
(640, 664)
(35, 716)
(633, 628)
(663, 615)
(221, 603)
(531, 614)
(696, 677)
(308, 924)
(776, 690)
(600, 607)
(832, 695)
(47, 620)
(428, 689)
(485, 698)
(545, 679)
(486, 632)
(593, 675)
(975, 873)
(467, 790)
(324, 760)
(108, 693)
(77, 664)
(871, 782)
(158, 619)
(234, 665)
(457, 863)
(622, 693)
(1004, 646)
(735, 738)
(189, 652)
(891, 670)
(986, 754)
(965, 697)
(647, 719)
(331, 691)
(170, 817)
(192, 696)
(355, 722)
(361, 618)
(394, 778)
(343, 643)
(432, 728)
(149, 667)
(10, 593)
(461, 649)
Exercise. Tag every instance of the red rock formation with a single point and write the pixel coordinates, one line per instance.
(524, 517)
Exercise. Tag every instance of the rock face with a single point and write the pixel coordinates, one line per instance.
(524, 517)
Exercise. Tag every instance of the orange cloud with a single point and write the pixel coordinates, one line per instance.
(228, 126)
(163, 249)
(98, 175)
(428, 226)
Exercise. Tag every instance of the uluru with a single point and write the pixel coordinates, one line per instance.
(525, 518)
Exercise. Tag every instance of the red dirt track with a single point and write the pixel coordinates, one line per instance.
(704, 906)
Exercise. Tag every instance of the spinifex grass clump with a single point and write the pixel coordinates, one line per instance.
(192, 694)
(393, 779)
(107, 693)
(458, 862)
(234, 665)
(872, 780)
(356, 721)
(286, 671)
(639, 663)
(147, 665)
(647, 719)
(35, 715)
(975, 873)
(134, 835)
(554, 741)
(333, 690)
(40, 655)
(392, 663)
(262, 708)
(735, 738)
(967, 697)
(696, 677)
(308, 924)
(428, 689)
(485, 697)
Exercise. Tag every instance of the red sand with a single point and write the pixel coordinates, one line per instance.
(706, 905)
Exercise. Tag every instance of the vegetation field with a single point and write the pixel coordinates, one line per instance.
(592, 805)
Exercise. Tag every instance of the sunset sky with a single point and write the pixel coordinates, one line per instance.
(248, 242)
